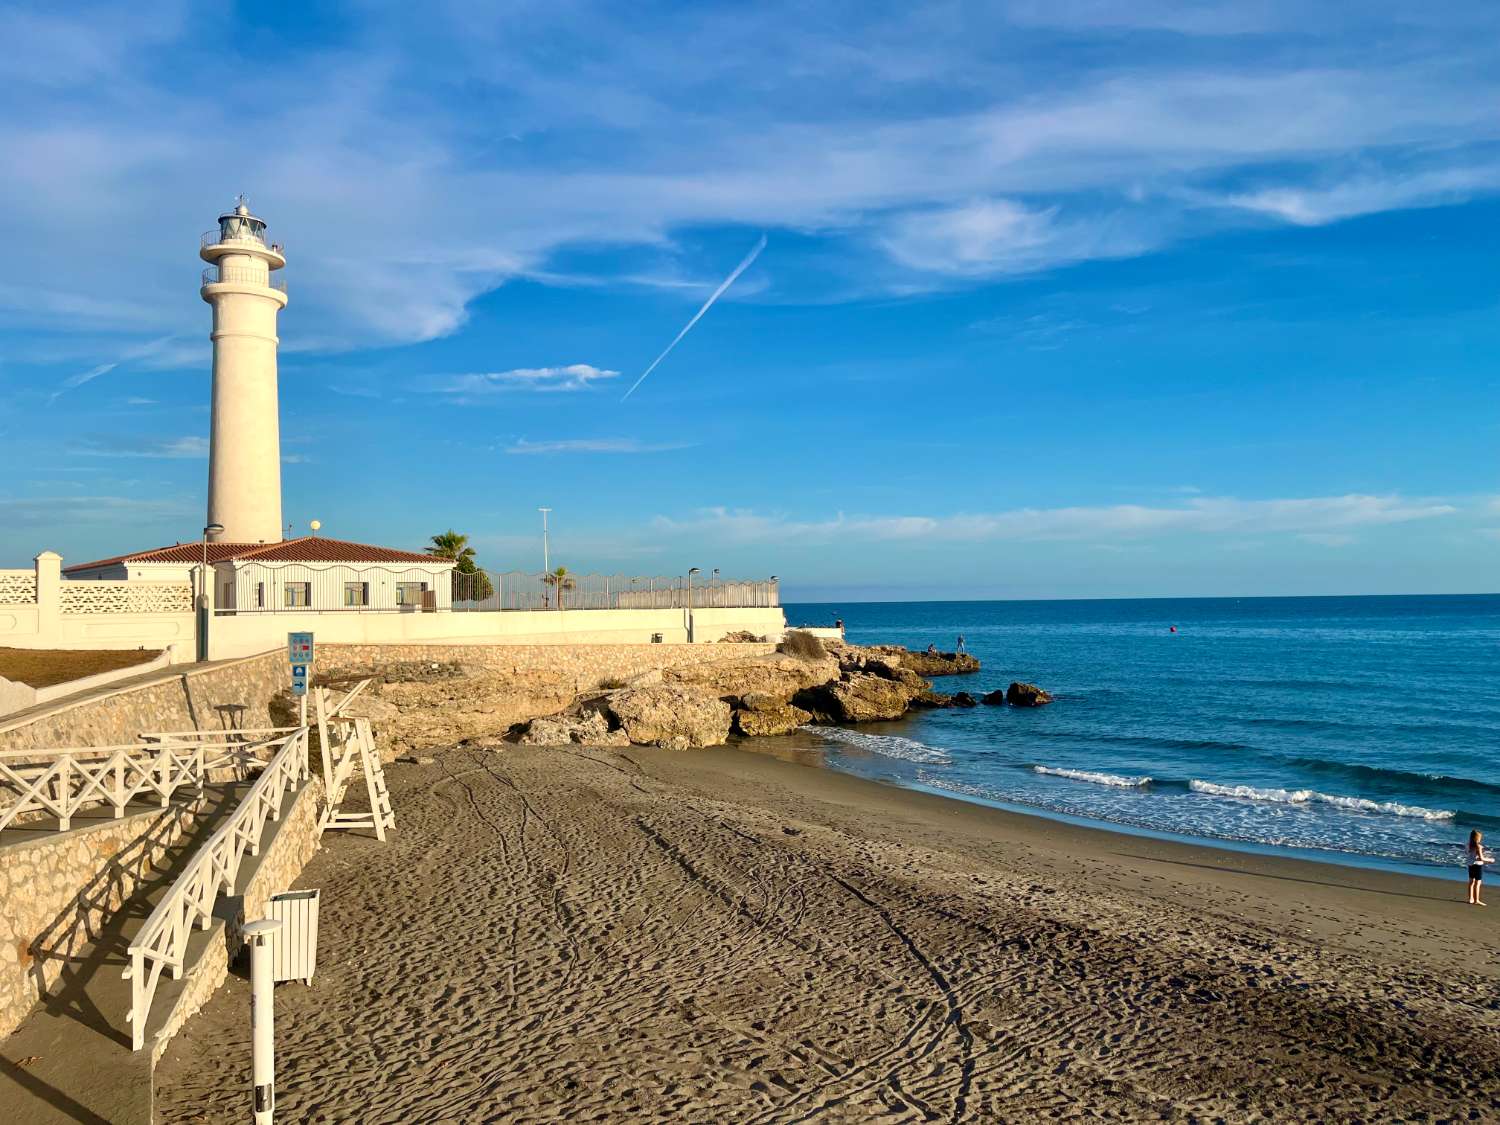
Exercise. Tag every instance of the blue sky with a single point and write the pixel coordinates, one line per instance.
(1075, 298)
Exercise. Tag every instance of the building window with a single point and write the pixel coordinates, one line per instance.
(298, 595)
(410, 593)
(356, 593)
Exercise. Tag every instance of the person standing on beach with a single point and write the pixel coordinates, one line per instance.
(1476, 857)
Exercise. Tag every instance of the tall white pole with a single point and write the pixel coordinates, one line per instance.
(262, 1017)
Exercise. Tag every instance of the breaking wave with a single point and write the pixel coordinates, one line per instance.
(1312, 796)
(887, 745)
(1112, 779)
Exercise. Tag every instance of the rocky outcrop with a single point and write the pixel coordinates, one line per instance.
(857, 697)
(964, 699)
(442, 709)
(763, 715)
(669, 716)
(939, 663)
(993, 698)
(1026, 695)
(778, 675)
(586, 728)
(930, 701)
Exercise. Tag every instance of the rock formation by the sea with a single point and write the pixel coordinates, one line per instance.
(761, 714)
(1026, 695)
(856, 697)
(420, 706)
(930, 663)
(993, 698)
(672, 717)
(589, 727)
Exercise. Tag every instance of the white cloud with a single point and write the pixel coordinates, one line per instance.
(1368, 194)
(1204, 516)
(957, 149)
(573, 377)
(594, 445)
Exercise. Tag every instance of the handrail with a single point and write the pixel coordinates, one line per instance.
(162, 942)
(242, 275)
(216, 237)
(62, 781)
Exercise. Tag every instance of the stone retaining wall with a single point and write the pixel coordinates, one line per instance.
(281, 861)
(234, 693)
(57, 891)
(587, 665)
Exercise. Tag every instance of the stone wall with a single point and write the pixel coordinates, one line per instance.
(588, 666)
(235, 693)
(296, 841)
(57, 891)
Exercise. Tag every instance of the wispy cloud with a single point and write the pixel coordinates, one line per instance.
(66, 511)
(955, 149)
(595, 445)
(1204, 516)
(170, 448)
(573, 377)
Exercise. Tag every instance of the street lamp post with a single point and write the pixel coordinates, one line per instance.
(546, 559)
(692, 570)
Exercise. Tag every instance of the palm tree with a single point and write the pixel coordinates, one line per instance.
(561, 581)
(451, 545)
(469, 582)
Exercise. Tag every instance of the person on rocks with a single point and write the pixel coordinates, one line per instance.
(932, 650)
(961, 643)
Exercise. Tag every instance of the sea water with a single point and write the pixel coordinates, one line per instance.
(1359, 728)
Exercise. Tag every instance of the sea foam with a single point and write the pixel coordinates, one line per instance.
(1312, 796)
(1112, 779)
(887, 745)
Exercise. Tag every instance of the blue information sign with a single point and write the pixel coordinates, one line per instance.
(299, 648)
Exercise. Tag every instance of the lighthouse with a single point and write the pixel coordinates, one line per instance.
(244, 452)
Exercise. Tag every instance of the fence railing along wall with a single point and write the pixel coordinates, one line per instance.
(126, 597)
(334, 588)
(17, 587)
(61, 782)
(516, 590)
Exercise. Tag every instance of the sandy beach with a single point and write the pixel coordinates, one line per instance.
(599, 935)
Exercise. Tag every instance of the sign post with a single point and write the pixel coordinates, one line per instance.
(299, 653)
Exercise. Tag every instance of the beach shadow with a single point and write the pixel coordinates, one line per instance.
(49, 1094)
(1284, 878)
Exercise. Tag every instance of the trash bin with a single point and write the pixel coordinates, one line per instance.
(296, 946)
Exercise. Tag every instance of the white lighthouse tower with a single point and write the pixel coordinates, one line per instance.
(244, 453)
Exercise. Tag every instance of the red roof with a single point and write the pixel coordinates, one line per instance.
(310, 548)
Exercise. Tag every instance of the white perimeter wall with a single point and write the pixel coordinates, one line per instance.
(252, 633)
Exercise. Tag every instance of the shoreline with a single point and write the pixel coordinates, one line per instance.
(1346, 886)
(600, 933)
(786, 747)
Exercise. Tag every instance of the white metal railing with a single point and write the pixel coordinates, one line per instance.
(242, 275)
(162, 942)
(63, 781)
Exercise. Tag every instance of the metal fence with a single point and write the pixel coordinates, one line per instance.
(516, 590)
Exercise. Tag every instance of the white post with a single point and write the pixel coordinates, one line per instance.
(262, 1017)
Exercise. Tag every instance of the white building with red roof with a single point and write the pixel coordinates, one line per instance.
(311, 573)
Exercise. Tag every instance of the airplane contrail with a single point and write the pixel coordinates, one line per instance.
(697, 316)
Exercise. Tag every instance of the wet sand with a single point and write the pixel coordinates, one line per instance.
(602, 935)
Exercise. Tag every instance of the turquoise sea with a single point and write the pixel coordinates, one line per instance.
(1357, 729)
